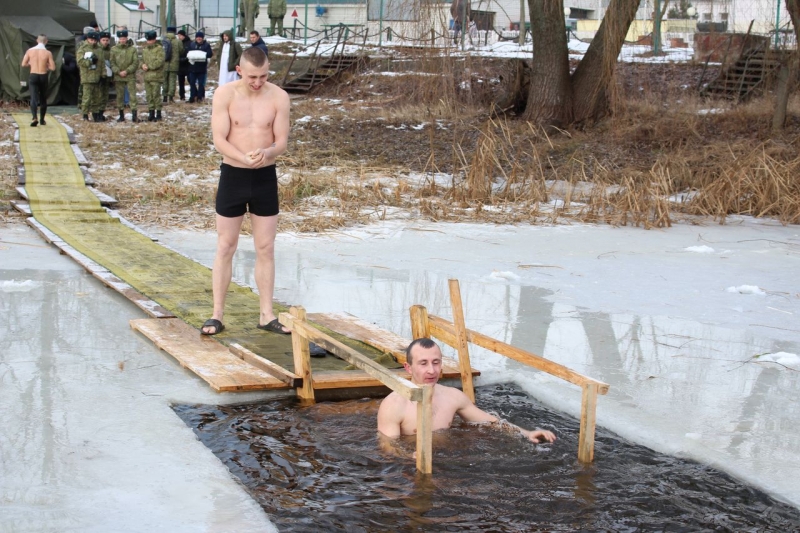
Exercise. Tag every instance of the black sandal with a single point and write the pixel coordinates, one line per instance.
(273, 326)
(212, 323)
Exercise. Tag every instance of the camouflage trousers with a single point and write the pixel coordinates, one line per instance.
(170, 83)
(273, 22)
(130, 83)
(153, 91)
(90, 99)
(105, 87)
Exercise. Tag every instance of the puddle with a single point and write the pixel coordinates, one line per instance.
(319, 468)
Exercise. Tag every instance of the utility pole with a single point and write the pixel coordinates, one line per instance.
(657, 28)
(521, 22)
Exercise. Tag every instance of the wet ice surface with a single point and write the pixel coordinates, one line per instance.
(320, 468)
(692, 366)
(88, 441)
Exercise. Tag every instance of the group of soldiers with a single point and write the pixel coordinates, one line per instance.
(102, 65)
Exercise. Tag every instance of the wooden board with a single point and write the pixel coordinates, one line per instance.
(386, 341)
(82, 161)
(349, 379)
(204, 356)
(22, 207)
(105, 199)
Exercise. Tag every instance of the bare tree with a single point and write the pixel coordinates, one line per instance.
(555, 97)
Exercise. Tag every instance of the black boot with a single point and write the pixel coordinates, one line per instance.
(121, 116)
(158, 116)
(34, 122)
(85, 116)
(41, 119)
(151, 117)
(101, 116)
(165, 99)
(133, 116)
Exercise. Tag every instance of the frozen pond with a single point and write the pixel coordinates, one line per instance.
(683, 323)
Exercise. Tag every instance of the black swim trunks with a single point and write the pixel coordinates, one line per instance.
(241, 189)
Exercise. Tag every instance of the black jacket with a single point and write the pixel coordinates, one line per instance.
(183, 62)
(261, 44)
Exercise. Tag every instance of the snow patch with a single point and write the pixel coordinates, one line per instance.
(746, 289)
(700, 249)
(13, 285)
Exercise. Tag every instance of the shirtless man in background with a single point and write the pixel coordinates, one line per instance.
(250, 127)
(398, 415)
(40, 60)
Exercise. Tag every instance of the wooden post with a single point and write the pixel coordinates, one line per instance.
(419, 322)
(588, 419)
(425, 431)
(461, 340)
(302, 357)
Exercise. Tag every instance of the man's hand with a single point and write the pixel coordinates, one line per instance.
(540, 435)
(144, 67)
(123, 73)
(256, 159)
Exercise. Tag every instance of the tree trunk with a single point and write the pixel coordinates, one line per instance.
(550, 96)
(793, 7)
(595, 73)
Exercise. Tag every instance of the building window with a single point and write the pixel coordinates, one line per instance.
(706, 16)
(723, 17)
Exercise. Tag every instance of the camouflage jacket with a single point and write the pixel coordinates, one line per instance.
(153, 57)
(92, 65)
(177, 47)
(105, 54)
(124, 57)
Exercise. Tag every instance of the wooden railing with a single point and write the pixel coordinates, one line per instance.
(456, 334)
(303, 332)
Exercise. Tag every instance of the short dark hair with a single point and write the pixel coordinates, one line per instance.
(254, 32)
(255, 56)
(422, 342)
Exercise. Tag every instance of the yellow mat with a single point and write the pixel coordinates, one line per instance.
(60, 201)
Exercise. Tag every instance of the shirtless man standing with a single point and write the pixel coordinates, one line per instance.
(398, 415)
(40, 60)
(250, 126)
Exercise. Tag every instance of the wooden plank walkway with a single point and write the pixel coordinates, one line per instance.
(204, 356)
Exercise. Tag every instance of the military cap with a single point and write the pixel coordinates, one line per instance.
(171, 29)
(105, 34)
(150, 35)
(122, 33)
(93, 35)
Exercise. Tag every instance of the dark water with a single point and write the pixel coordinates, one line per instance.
(320, 468)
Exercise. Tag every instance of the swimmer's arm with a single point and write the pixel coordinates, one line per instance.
(390, 446)
(469, 412)
(51, 64)
(221, 127)
(389, 419)
(26, 59)
(535, 435)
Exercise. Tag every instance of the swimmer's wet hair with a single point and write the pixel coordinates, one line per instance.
(255, 56)
(423, 342)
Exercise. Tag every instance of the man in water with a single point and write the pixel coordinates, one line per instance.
(40, 60)
(398, 416)
(250, 127)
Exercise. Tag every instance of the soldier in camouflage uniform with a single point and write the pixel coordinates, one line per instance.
(89, 61)
(106, 76)
(171, 69)
(124, 63)
(153, 67)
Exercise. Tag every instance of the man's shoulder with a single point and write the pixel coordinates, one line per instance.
(392, 402)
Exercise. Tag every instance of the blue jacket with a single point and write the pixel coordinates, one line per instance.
(261, 44)
(200, 67)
